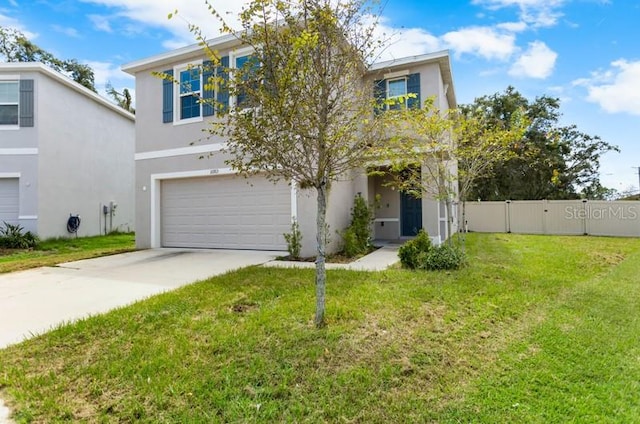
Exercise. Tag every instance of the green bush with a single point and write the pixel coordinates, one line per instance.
(444, 257)
(351, 246)
(419, 253)
(357, 236)
(14, 237)
(410, 251)
(294, 240)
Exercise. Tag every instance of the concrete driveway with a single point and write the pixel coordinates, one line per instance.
(34, 301)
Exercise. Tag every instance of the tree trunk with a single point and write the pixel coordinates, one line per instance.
(448, 207)
(321, 275)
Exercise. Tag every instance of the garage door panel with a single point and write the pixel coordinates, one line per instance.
(9, 200)
(225, 212)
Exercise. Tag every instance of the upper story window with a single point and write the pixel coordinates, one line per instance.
(395, 86)
(246, 60)
(17, 106)
(396, 89)
(190, 84)
(187, 88)
(9, 102)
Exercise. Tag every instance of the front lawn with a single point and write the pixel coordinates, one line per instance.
(54, 251)
(535, 329)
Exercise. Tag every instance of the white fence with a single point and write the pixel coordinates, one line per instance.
(593, 217)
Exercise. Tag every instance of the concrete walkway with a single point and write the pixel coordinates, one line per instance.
(377, 260)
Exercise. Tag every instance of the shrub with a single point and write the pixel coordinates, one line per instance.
(14, 237)
(294, 240)
(357, 236)
(444, 257)
(410, 251)
(419, 253)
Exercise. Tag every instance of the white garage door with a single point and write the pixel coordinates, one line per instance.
(225, 212)
(9, 200)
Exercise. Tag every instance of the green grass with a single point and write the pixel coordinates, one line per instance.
(535, 329)
(54, 251)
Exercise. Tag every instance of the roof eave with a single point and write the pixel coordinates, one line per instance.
(63, 79)
(177, 55)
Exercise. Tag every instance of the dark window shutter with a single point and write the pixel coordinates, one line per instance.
(207, 88)
(380, 94)
(27, 106)
(223, 89)
(413, 86)
(167, 98)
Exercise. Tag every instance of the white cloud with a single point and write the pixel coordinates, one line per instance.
(154, 13)
(101, 23)
(105, 72)
(513, 26)
(404, 42)
(486, 42)
(537, 61)
(616, 90)
(71, 32)
(9, 22)
(538, 13)
(491, 43)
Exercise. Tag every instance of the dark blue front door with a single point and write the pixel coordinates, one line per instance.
(410, 215)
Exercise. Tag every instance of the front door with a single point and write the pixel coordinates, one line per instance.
(410, 215)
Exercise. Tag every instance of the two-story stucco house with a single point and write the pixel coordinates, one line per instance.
(64, 150)
(186, 196)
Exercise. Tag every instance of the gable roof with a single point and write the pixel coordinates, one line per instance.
(66, 81)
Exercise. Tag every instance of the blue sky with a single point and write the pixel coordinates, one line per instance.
(585, 52)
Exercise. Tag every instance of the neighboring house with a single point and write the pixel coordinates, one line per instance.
(186, 196)
(64, 150)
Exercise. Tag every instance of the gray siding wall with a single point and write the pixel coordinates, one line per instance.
(85, 160)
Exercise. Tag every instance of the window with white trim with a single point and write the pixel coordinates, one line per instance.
(397, 88)
(189, 93)
(9, 102)
(240, 59)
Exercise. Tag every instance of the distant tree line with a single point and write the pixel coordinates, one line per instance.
(549, 161)
(15, 47)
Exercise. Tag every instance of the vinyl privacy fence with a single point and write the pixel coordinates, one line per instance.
(578, 217)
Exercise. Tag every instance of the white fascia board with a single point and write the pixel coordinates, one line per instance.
(430, 57)
(18, 151)
(177, 55)
(180, 151)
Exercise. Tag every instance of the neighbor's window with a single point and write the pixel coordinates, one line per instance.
(395, 89)
(190, 91)
(9, 100)
(249, 61)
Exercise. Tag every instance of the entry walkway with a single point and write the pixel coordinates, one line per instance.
(377, 260)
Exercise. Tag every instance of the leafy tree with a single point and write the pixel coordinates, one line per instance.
(15, 47)
(442, 154)
(124, 99)
(304, 115)
(549, 162)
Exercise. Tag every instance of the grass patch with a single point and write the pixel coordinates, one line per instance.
(535, 329)
(54, 251)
